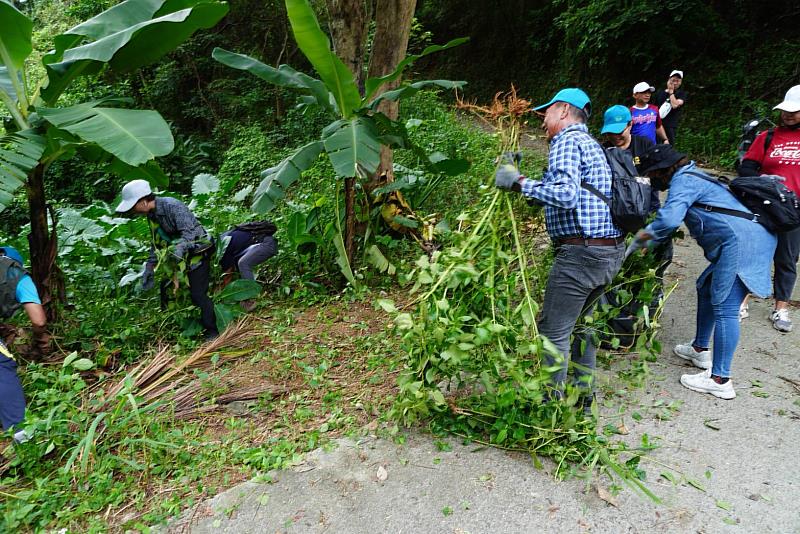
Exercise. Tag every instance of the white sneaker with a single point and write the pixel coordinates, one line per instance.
(780, 320)
(703, 383)
(700, 359)
(744, 312)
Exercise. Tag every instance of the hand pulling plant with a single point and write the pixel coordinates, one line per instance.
(473, 334)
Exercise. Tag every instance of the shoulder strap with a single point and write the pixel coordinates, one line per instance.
(768, 139)
(592, 189)
(727, 211)
(723, 181)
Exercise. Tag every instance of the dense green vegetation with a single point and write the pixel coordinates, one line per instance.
(738, 57)
(108, 455)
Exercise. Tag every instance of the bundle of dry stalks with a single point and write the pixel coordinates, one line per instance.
(153, 379)
(505, 115)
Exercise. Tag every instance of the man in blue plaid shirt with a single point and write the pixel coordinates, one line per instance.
(589, 247)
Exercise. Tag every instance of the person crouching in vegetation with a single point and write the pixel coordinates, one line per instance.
(738, 248)
(777, 151)
(249, 244)
(173, 225)
(589, 247)
(17, 289)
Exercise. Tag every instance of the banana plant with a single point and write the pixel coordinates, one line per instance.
(353, 140)
(123, 38)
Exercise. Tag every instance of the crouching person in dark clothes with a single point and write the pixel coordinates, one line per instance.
(250, 244)
(17, 290)
(173, 224)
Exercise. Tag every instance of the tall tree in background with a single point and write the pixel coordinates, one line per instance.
(392, 27)
(349, 21)
(354, 139)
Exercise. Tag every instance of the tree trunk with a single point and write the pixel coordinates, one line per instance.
(43, 245)
(348, 24)
(392, 27)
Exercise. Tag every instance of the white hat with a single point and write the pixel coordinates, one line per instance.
(642, 87)
(678, 73)
(791, 102)
(132, 192)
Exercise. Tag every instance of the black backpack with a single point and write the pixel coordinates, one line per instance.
(630, 195)
(772, 204)
(258, 229)
(10, 273)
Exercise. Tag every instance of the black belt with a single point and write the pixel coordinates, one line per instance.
(591, 241)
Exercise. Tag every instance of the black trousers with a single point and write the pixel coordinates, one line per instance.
(198, 290)
(671, 132)
(786, 255)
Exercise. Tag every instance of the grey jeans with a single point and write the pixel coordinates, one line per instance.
(577, 278)
(256, 254)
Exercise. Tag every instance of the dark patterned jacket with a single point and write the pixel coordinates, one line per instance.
(176, 225)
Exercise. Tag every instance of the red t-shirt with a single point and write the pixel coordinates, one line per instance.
(781, 158)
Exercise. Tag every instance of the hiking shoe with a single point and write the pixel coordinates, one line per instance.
(780, 320)
(700, 359)
(744, 312)
(703, 383)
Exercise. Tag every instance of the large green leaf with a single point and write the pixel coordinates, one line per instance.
(278, 178)
(149, 171)
(373, 84)
(317, 48)
(342, 261)
(284, 76)
(126, 37)
(7, 86)
(239, 290)
(353, 146)
(19, 153)
(134, 136)
(15, 36)
(412, 89)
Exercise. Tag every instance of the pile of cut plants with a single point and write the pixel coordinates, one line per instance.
(473, 354)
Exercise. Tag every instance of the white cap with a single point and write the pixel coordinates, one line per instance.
(132, 192)
(791, 102)
(643, 87)
(678, 73)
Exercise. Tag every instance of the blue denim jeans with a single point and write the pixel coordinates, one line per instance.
(577, 279)
(723, 321)
(12, 400)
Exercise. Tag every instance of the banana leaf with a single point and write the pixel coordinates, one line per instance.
(134, 136)
(317, 48)
(353, 146)
(278, 178)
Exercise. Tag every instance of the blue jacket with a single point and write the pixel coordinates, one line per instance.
(733, 245)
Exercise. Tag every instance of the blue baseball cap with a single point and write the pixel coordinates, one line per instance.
(616, 119)
(571, 95)
(12, 253)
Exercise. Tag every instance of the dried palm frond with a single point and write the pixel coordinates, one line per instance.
(152, 379)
